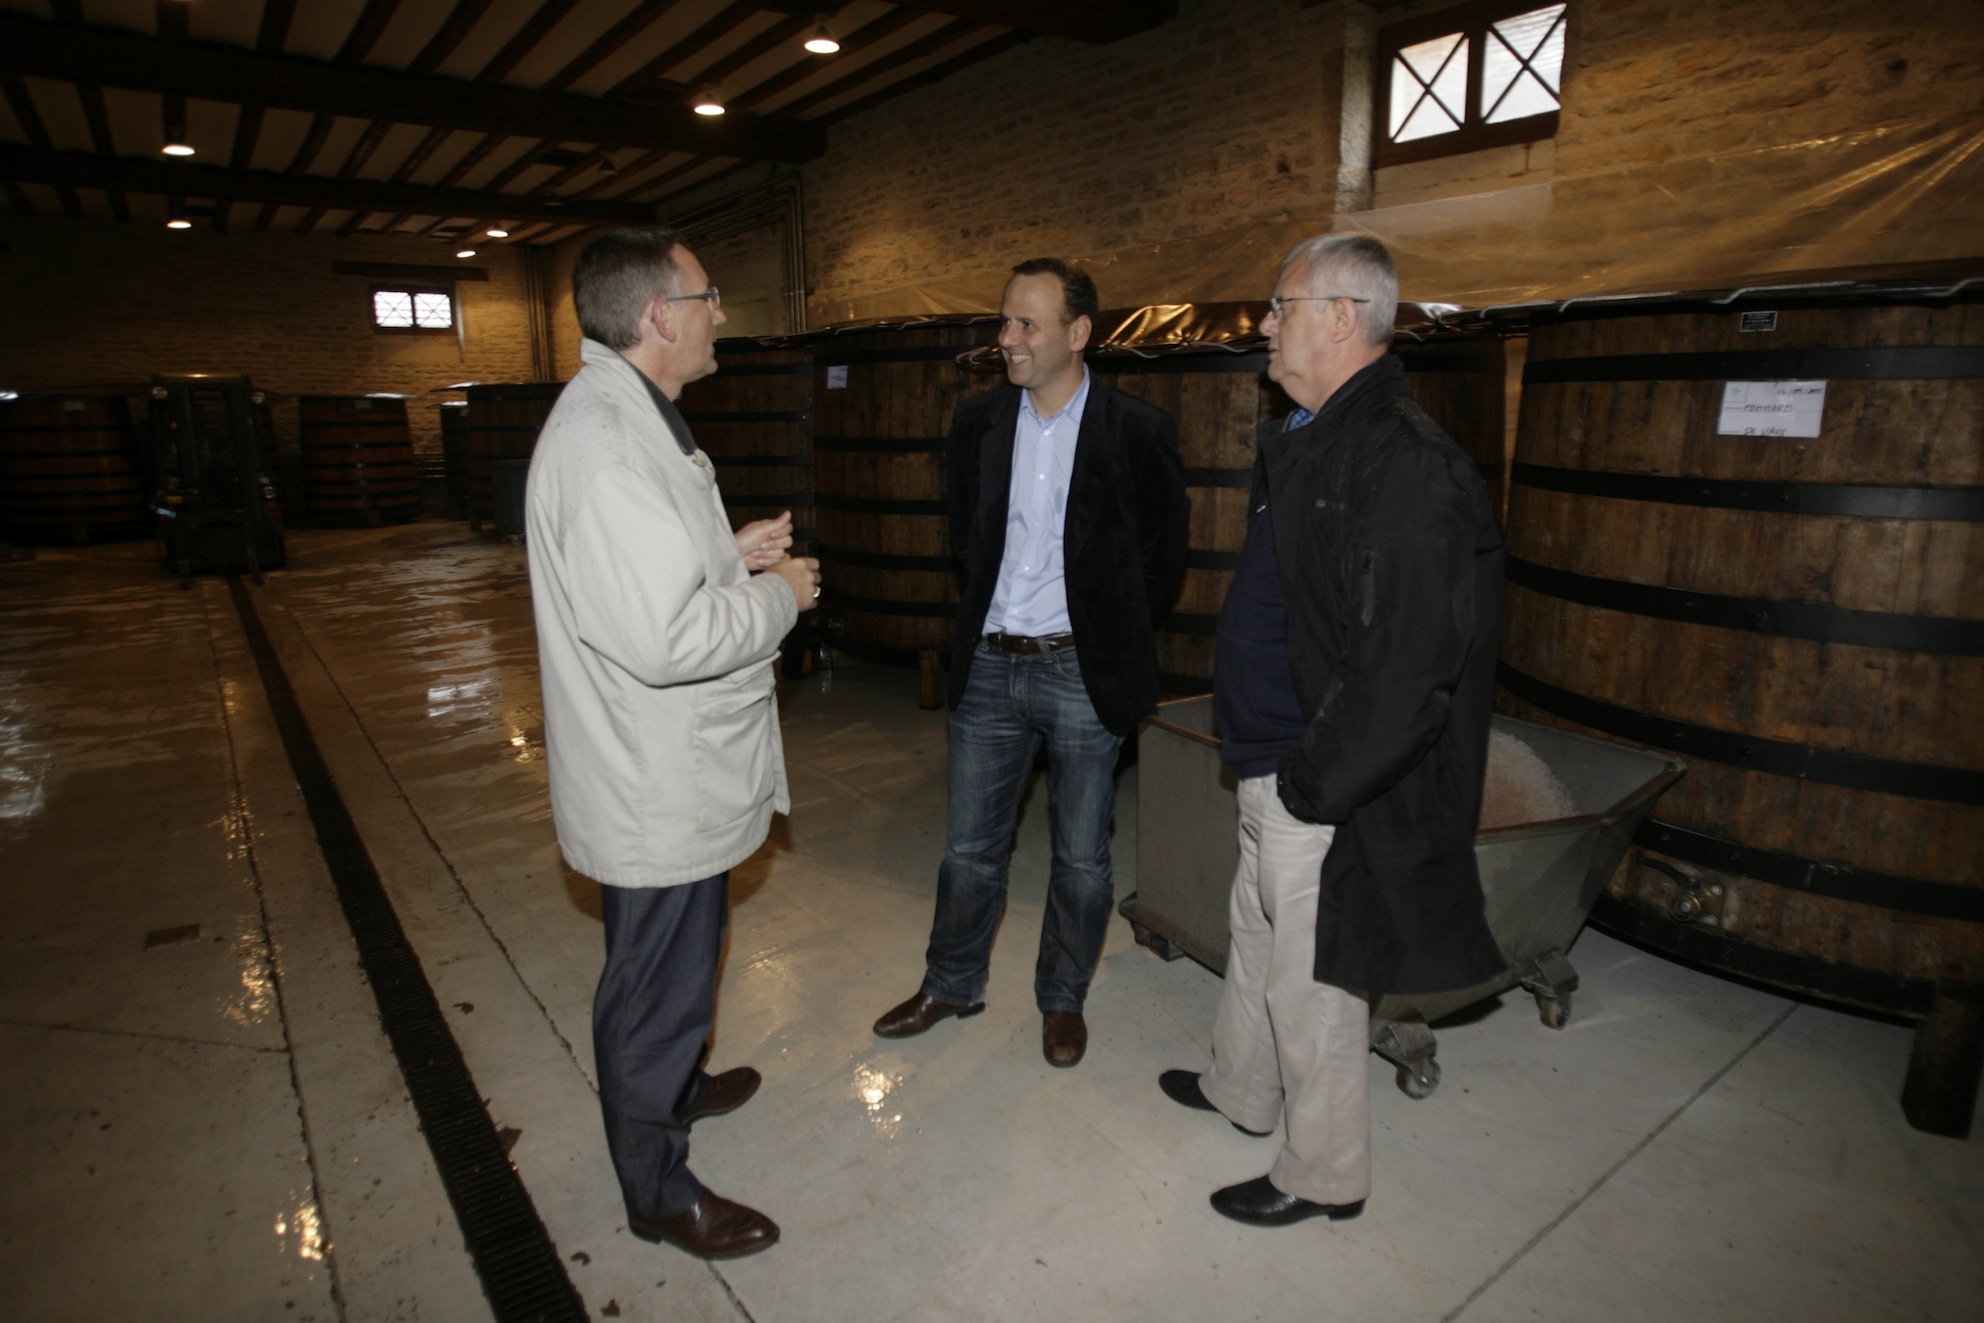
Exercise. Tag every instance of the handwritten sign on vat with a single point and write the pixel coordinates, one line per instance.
(1771, 408)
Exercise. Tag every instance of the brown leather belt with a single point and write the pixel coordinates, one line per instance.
(1027, 647)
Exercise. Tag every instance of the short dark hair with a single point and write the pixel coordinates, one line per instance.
(617, 276)
(1078, 295)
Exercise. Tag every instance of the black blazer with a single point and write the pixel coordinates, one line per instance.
(1123, 545)
(1391, 571)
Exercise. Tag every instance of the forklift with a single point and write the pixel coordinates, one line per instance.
(217, 508)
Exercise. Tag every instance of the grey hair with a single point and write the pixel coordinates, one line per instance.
(618, 276)
(1353, 264)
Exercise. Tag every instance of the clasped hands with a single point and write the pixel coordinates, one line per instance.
(763, 542)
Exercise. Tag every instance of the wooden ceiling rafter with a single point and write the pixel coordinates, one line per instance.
(358, 43)
(867, 35)
(95, 113)
(545, 141)
(935, 73)
(227, 73)
(463, 17)
(21, 101)
(920, 49)
(1098, 21)
(726, 21)
(143, 174)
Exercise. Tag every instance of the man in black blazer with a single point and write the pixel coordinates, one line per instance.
(1068, 509)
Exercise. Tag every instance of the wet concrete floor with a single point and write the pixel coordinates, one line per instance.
(202, 1119)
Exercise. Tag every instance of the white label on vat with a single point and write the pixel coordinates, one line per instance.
(836, 376)
(1771, 408)
(1757, 321)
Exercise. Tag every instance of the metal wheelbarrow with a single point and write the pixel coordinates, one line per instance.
(1539, 878)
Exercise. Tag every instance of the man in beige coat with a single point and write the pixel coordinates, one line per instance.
(656, 642)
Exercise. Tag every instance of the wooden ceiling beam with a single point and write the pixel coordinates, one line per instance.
(916, 50)
(21, 101)
(229, 73)
(1091, 20)
(534, 30)
(881, 29)
(727, 20)
(140, 174)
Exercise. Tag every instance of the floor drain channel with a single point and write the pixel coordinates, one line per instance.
(513, 1254)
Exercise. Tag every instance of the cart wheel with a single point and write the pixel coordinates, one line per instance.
(1152, 942)
(1419, 1083)
(1555, 1011)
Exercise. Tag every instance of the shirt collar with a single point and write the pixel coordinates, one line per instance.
(1076, 403)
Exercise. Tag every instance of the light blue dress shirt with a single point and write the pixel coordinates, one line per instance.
(1032, 594)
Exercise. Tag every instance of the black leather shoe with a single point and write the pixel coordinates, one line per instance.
(919, 1013)
(1182, 1087)
(1063, 1037)
(727, 1092)
(1259, 1204)
(711, 1228)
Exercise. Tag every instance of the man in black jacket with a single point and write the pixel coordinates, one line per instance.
(1352, 687)
(1068, 509)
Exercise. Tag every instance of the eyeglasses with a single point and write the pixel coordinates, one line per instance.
(715, 299)
(1274, 304)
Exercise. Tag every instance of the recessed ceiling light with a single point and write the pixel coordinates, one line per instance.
(179, 223)
(466, 252)
(708, 102)
(497, 233)
(177, 149)
(822, 41)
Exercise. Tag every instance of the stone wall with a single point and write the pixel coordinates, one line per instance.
(1699, 140)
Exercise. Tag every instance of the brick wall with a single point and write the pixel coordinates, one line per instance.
(90, 302)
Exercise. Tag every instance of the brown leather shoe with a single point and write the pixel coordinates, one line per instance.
(711, 1228)
(1063, 1037)
(727, 1092)
(919, 1013)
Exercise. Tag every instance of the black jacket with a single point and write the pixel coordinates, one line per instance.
(1391, 569)
(1123, 545)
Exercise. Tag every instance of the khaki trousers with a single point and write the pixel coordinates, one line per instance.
(1283, 1044)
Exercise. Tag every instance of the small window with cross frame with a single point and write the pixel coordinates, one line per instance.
(1460, 80)
(413, 310)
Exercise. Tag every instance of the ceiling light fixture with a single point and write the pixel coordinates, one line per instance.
(607, 167)
(466, 252)
(497, 232)
(177, 148)
(179, 223)
(822, 41)
(708, 102)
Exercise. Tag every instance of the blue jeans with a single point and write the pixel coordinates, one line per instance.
(1011, 704)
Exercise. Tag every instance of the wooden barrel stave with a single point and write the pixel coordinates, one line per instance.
(503, 422)
(455, 456)
(879, 479)
(1864, 892)
(754, 419)
(358, 460)
(71, 471)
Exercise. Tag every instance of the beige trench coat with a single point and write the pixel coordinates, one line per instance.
(655, 644)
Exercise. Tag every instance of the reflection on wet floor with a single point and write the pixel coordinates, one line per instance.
(176, 1109)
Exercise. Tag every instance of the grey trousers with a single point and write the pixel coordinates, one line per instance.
(1284, 1046)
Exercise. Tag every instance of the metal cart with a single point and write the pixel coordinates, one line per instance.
(1539, 879)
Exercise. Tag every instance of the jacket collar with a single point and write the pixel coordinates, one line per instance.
(1377, 380)
(618, 377)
